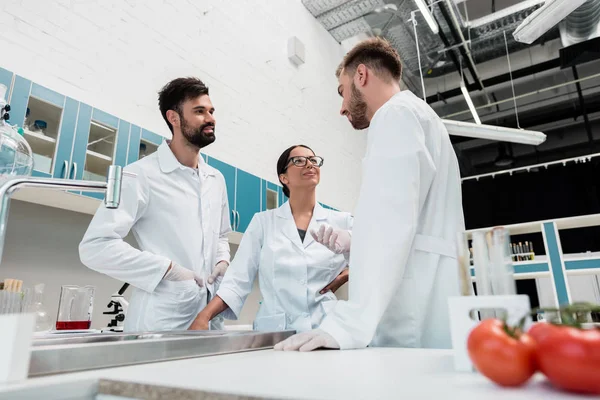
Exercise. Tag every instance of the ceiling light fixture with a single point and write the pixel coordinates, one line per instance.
(469, 101)
(491, 132)
(428, 16)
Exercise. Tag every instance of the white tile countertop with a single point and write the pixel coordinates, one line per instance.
(375, 373)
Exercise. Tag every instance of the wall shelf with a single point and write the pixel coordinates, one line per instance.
(99, 156)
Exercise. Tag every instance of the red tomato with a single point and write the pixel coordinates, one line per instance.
(569, 357)
(540, 330)
(506, 360)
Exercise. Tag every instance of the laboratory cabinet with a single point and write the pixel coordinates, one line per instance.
(74, 140)
(554, 277)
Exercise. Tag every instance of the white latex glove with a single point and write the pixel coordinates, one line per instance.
(336, 240)
(308, 341)
(179, 273)
(218, 272)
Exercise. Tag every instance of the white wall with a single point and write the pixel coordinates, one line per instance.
(115, 55)
(41, 247)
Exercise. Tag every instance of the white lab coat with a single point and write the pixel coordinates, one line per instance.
(176, 214)
(291, 272)
(408, 213)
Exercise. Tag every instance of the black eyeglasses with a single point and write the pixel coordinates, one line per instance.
(300, 161)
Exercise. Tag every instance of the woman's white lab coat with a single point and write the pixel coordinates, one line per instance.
(291, 272)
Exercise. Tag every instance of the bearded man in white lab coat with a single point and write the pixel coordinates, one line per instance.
(409, 210)
(176, 206)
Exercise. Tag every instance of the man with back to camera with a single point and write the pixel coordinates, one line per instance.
(409, 210)
(176, 206)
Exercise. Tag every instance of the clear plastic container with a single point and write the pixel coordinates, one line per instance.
(16, 157)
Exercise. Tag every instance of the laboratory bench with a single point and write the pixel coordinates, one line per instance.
(373, 373)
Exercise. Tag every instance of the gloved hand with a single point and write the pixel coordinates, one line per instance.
(179, 273)
(218, 272)
(336, 240)
(308, 341)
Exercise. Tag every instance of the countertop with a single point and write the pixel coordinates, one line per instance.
(375, 373)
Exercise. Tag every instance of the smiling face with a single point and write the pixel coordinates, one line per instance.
(305, 177)
(197, 122)
(354, 106)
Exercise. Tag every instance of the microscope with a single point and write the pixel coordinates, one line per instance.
(119, 308)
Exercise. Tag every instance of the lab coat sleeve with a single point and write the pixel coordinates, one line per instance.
(397, 173)
(103, 249)
(239, 278)
(223, 253)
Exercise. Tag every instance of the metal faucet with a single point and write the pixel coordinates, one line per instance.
(112, 187)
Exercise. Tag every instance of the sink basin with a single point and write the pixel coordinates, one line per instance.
(59, 339)
(58, 353)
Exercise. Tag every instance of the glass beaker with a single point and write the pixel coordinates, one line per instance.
(34, 304)
(75, 307)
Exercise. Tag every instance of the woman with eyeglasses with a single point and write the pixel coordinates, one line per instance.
(297, 274)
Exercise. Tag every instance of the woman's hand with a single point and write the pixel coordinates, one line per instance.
(337, 282)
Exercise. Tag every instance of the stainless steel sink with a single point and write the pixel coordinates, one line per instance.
(60, 354)
(75, 339)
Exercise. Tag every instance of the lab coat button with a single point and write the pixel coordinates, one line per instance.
(302, 281)
(305, 315)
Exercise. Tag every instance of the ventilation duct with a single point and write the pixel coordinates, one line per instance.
(582, 24)
(346, 19)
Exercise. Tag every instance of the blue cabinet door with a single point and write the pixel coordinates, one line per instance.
(281, 197)
(247, 198)
(267, 187)
(62, 165)
(228, 172)
(82, 134)
(6, 80)
(135, 135)
(18, 100)
(152, 137)
(122, 143)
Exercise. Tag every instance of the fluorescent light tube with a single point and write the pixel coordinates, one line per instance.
(465, 93)
(427, 15)
(490, 132)
(544, 18)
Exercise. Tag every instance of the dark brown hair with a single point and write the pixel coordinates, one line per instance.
(176, 92)
(375, 53)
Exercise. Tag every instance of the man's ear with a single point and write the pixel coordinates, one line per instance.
(173, 118)
(362, 75)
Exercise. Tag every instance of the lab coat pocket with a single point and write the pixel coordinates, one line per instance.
(173, 305)
(276, 322)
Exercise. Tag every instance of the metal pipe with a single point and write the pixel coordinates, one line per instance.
(588, 127)
(112, 187)
(584, 158)
(466, 50)
(525, 95)
(498, 79)
(414, 23)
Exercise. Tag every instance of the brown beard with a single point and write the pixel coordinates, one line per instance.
(195, 136)
(358, 109)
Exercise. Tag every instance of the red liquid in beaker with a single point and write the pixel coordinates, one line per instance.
(72, 325)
